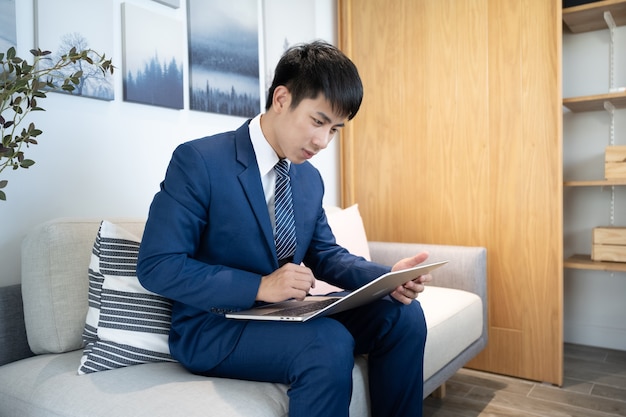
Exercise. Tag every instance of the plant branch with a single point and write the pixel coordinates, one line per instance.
(23, 84)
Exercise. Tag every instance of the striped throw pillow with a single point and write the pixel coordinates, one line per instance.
(126, 324)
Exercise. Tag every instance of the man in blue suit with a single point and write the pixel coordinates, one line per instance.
(209, 246)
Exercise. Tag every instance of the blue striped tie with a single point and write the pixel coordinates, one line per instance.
(285, 235)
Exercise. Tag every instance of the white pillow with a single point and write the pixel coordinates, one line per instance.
(125, 324)
(347, 226)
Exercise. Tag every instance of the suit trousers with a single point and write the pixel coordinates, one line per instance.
(315, 359)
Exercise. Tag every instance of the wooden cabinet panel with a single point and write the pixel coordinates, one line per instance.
(458, 141)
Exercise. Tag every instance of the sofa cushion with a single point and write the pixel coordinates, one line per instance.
(126, 324)
(47, 385)
(55, 261)
(454, 319)
(347, 226)
(94, 296)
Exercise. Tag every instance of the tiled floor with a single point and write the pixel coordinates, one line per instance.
(594, 386)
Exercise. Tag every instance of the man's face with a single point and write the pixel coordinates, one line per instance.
(305, 130)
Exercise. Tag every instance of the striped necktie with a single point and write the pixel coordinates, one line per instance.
(285, 235)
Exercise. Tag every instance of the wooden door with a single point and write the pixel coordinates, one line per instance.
(458, 141)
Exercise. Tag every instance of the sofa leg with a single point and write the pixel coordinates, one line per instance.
(439, 392)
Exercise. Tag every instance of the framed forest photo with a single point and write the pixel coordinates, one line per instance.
(224, 56)
(87, 33)
(153, 58)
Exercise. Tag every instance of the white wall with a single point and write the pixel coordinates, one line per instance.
(595, 311)
(110, 163)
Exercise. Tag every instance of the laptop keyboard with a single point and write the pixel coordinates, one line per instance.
(305, 308)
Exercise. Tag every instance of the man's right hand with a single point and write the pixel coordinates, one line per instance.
(289, 281)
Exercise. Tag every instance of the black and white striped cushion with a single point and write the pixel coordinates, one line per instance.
(96, 279)
(126, 324)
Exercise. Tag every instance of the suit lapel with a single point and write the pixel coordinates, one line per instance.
(250, 181)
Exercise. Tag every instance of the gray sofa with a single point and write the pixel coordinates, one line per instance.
(42, 319)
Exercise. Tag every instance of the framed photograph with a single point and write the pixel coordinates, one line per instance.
(153, 58)
(172, 3)
(8, 35)
(285, 24)
(86, 33)
(224, 56)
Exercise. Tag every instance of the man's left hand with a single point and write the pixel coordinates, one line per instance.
(408, 292)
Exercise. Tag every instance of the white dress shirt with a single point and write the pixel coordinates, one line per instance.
(266, 158)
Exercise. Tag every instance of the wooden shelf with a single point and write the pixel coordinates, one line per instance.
(595, 102)
(595, 183)
(588, 17)
(585, 262)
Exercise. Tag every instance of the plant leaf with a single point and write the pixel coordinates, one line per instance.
(27, 163)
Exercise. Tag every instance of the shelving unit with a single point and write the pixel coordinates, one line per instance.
(595, 183)
(589, 17)
(595, 102)
(585, 262)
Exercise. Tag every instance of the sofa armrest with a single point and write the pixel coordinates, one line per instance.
(467, 269)
(13, 341)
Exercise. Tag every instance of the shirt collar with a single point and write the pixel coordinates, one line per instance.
(265, 155)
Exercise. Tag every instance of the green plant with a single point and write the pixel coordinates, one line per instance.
(22, 85)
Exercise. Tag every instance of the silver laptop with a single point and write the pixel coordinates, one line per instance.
(316, 306)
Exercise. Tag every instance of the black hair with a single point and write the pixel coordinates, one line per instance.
(319, 67)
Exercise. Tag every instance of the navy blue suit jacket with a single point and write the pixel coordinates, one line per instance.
(208, 241)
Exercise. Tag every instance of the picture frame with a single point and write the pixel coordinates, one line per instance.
(153, 57)
(224, 54)
(285, 24)
(8, 32)
(175, 4)
(87, 33)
